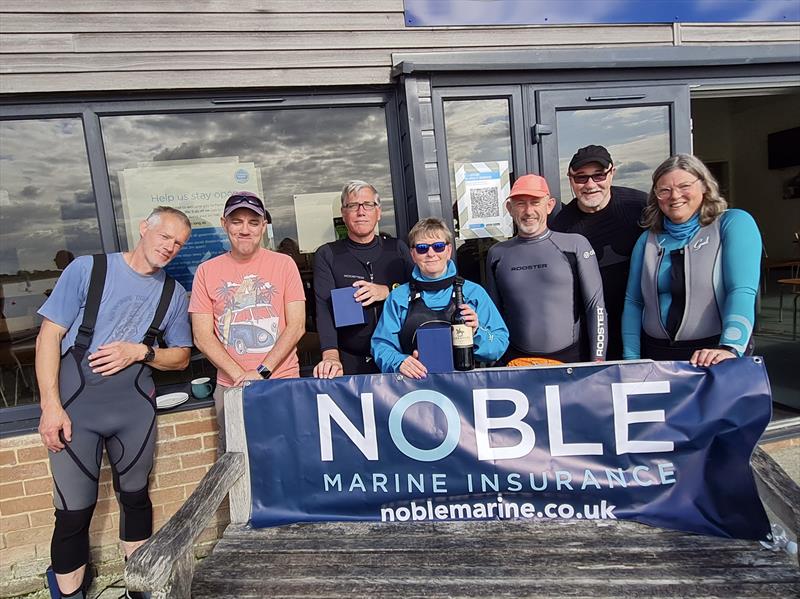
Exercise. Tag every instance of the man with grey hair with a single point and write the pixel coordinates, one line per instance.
(94, 358)
(369, 263)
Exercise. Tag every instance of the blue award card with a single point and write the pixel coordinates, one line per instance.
(435, 347)
(346, 310)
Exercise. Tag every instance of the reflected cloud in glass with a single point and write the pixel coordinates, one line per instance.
(637, 138)
(297, 151)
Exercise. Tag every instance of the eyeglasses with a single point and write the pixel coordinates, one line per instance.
(354, 206)
(597, 177)
(438, 247)
(664, 193)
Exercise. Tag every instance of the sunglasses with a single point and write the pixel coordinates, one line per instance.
(597, 177)
(246, 199)
(438, 247)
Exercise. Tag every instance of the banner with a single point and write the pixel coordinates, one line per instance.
(436, 13)
(662, 443)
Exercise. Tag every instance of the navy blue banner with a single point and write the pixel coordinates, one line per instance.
(432, 13)
(665, 444)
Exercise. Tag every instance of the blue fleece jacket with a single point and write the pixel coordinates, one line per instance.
(491, 338)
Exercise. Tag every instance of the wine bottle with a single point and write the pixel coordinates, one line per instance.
(463, 353)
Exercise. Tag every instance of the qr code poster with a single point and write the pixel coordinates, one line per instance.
(482, 189)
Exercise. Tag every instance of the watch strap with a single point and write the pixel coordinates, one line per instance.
(150, 355)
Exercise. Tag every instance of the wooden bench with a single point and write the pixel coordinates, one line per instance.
(466, 559)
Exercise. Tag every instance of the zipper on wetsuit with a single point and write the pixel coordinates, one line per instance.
(368, 266)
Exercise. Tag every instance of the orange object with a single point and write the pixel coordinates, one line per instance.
(533, 361)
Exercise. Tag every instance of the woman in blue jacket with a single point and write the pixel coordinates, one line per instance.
(428, 300)
(694, 275)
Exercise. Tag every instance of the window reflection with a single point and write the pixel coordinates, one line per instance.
(637, 138)
(47, 218)
(297, 160)
(476, 131)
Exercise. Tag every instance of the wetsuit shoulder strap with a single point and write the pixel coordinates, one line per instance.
(163, 304)
(97, 281)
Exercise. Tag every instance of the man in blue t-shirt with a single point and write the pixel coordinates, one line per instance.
(96, 387)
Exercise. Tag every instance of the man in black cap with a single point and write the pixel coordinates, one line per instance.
(608, 216)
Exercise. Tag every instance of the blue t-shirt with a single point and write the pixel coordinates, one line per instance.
(127, 307)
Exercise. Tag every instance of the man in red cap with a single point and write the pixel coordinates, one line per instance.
(546, 285)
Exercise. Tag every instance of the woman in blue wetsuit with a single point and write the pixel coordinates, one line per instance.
(694, 274)
(428, 301)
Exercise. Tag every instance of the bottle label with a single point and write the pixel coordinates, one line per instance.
(462, 335)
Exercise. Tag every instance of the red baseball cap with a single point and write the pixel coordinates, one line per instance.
(530, 185)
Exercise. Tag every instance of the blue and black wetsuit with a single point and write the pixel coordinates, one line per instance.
(693, 287)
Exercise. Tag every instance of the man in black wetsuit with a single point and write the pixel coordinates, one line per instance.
(372, 266)
(546, 284)
(608, 216)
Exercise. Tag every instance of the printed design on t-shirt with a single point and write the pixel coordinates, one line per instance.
(130, 312)
(249, 322)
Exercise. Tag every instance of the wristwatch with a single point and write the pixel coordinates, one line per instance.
(263, 371)
(149, 356)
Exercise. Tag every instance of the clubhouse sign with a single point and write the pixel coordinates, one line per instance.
(663, 443)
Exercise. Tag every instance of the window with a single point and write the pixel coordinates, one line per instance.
(478, 133)
(48, 217)
(297, 160)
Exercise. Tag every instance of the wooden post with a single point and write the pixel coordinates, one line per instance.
(236, 441)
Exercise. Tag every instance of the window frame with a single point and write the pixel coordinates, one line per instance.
(24, 419)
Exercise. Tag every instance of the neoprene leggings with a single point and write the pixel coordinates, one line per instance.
(116, 412)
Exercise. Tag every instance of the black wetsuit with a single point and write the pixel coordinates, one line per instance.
(546, 288)
(612, 232)
(340, 264)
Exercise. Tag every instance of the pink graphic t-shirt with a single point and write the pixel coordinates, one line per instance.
(248, 301)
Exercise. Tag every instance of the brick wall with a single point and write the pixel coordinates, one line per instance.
(187, 444)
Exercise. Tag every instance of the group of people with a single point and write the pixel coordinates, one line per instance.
(584, 285)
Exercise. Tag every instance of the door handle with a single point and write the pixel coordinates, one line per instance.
(614, 98)
(538, 131)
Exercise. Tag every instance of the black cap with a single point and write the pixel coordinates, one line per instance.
(591, 154)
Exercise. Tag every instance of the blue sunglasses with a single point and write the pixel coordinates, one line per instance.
(438, 247)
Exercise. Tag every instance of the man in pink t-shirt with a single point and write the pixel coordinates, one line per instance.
(248, 304)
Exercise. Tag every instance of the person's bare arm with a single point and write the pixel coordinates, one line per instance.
(207, 342)
(48, 362)
(295, 329)
(113, 357)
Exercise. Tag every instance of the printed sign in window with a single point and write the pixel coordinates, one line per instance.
(482, 189)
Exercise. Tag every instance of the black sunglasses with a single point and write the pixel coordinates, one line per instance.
(247, 199)
(597, 177)
(438, 247)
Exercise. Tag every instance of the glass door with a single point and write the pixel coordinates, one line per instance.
(640, 127)
(484, 152)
